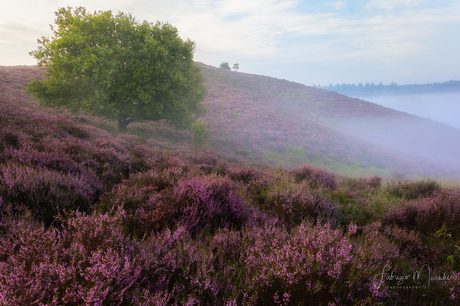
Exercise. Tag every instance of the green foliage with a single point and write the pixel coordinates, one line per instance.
(295, 154)
(118, 67)
(236, 66)
(413, 190)
(201, 134)
(225, 66)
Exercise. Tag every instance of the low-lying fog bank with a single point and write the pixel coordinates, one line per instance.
(443, 107)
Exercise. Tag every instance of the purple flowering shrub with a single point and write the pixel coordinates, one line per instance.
(108, 159)
(111, 162)
(87, 261)
(69, 127)
(207, 203)
(427, 215)
(45, 193)
(9, 138)
(290, 202)
(167, 196)
(294, 206)
(139, 155)
(313, 264)
(436, 219)
(53, 158)
(314, 177)
(246, 175)
(361, 185)
(178, 269)
(144, 196)
(408, 241)
(209, 162)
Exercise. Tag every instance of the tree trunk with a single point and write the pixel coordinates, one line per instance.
(123, 123)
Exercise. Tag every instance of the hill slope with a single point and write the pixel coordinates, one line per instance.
(290, 123)
(263, 119)
(142, 218)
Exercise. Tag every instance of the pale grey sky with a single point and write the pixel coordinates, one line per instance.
(311, 42)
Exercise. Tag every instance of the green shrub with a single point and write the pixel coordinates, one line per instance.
(413, 190)
(201, 134)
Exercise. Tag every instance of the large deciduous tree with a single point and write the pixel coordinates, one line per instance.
(118, 67)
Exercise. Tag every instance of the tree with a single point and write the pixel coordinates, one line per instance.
(115, 66)
(236, 66)
(225, 66)
(201, 134)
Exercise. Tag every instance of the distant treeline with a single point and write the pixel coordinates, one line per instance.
(371, 89)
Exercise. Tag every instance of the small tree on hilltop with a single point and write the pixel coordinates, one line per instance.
(120, 68)
(225, 66)
(236, 66)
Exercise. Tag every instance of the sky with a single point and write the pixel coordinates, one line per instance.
(310, 42)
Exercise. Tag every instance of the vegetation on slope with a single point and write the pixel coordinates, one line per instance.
(90, 216)
(288, 124)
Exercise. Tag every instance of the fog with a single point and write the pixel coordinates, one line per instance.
(424, 144)
(443, 107)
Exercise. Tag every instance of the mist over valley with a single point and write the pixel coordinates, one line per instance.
(436, 101)
(289, 123)
(441, 107)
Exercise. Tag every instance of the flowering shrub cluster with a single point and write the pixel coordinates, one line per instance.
(45, 193)
(429, 214)
(52, 175)
(315, 177)
(88, 217)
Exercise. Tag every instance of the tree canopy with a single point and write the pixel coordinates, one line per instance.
(118, 67)
(224, 65)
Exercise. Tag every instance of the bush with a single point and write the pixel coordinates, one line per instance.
(112, 162)
(246, 175)
(139, 155)
(155, 200)
(314, 177)
(362, 185)
(9, 138)
(46, 193)
(314, 265)
(52, 158)
(208, 162)
(359, 200)
(89, 261)
(295, 206)
(70, 128)
(427, 215)
(208, 203)
(412, 190)
(201, 134)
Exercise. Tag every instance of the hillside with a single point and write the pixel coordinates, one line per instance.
(288, 123)
(262, 119)
(89, 215)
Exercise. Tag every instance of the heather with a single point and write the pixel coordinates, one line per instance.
(91, 216)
